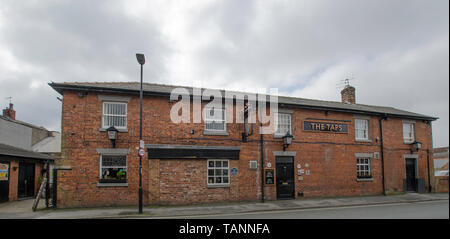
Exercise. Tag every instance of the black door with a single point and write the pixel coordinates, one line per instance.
(26, 180)
(411, 175)
(285, 177)
(4, 181)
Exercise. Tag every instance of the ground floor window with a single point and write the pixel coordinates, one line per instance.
(113, 169)
(218, 172)
(363, 168)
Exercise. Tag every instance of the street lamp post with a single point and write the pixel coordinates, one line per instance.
(141, 60)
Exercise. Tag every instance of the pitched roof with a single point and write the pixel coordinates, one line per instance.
(18, 152)
(21, 122)
(165, 90)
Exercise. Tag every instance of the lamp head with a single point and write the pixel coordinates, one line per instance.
(140, 58)
(112, 133)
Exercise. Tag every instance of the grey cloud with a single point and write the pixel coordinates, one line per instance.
(397, 50)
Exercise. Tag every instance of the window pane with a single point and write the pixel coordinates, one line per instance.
(211, 164)
(224, 163)
(211, 180)
(214, 114)
(211, 172)
(114, 114)
(283, 124)
(215, 125)
(114, 161)
(114, 173)
(361, 129)
(218, 179)
(225, 172)
(225, 179)
(218, 172)
(218, 163)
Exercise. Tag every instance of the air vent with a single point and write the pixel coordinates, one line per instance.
(253, 164)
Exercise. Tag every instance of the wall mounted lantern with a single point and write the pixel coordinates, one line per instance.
(416, 146)
(112, 135)
(287, 140)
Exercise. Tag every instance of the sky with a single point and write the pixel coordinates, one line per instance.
(395, 52)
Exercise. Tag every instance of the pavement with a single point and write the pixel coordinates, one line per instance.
(22, 209)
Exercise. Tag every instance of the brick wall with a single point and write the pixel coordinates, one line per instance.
(331, 157)
(441, 184)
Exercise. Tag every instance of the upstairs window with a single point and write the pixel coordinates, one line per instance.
(215, 119)
(114, 114)
(283, 124)
(361, 129)
(113, 169)
(408, 133)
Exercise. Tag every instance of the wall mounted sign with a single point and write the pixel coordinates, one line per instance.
(4, 168)
(325, 127)
(269, 165)
(269, 176)
(234, 171)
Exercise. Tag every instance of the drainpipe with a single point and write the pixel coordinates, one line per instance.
(428, 157)
(382, 152)
(262, 163)
(428, 167)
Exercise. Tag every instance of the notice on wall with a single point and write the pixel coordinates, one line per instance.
(325, 127)
(4, 168)
(269, 176)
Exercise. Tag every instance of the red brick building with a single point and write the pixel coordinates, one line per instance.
(338, 149)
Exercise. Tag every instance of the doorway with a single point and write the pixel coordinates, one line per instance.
(26, 180)
(285, 177)
(411, 185)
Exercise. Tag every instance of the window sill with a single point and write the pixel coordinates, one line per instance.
(364, 179)
(218, 186)
(363, 140)
(279, 136)
(209, 132)
(124, 130)
(112, 184)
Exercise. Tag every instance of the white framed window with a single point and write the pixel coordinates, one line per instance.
(113, 169)
(408, 133)
(114, 114)
(283, 122)
(361, 129)
(215, 119)
(363, 169)
(218, 172)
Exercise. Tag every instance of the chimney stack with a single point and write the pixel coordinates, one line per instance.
(10, 112)
(348, 95)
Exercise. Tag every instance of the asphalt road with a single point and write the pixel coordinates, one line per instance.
(418, 210)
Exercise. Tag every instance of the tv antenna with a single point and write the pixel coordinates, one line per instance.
(9, 98)
(344, 83)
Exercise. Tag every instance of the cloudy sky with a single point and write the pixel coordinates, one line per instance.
(396, 51)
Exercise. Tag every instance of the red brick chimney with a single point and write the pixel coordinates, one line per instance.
(10, 112)
(348, 95)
